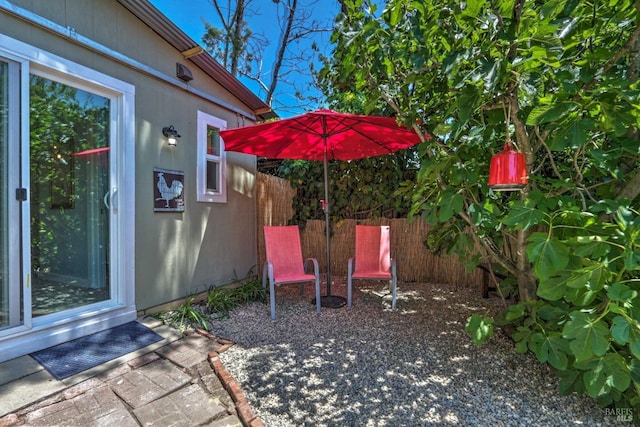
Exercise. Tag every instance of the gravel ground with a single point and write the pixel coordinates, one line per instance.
(369, 366)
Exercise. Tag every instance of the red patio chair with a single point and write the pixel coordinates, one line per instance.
(373, 259)
(284, 262)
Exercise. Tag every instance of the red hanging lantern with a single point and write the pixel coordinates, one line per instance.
(508, 170)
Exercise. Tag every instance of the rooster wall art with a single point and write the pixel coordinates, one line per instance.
(168, 192)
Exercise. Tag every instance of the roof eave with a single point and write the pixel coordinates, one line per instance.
(177, 38)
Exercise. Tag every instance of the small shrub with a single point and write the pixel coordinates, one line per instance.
(220, 301)
(187, 315)
(218, 304)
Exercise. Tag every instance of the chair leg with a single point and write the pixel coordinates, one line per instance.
(272, 298)
(394, 292)
(349, 282)
(318, 301)
(394, 283)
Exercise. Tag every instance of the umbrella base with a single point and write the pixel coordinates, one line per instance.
(331, 301)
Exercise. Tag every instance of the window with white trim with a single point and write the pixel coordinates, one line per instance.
(212, 160)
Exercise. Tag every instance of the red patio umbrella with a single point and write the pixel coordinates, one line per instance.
(322, 135)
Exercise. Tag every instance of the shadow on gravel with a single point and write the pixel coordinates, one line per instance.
(371, 366)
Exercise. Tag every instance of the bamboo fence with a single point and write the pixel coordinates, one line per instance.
(415, 262)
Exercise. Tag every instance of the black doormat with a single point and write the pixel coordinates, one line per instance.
(70, 358)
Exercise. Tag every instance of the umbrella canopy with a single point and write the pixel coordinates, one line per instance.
(322, 135)
(309, 136)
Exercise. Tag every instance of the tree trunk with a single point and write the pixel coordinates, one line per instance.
(237, 42)
(527, 284)
(631, 189)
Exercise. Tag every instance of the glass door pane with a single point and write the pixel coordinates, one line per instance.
(4, 226)
(69, 154)
(11, 295)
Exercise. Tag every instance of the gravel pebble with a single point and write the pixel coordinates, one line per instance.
(370, 366)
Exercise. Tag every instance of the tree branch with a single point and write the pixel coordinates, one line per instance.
(284, 42)
(631, 189)
(549, 155)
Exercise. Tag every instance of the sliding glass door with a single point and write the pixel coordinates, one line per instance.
(67, 232)
(67, 205)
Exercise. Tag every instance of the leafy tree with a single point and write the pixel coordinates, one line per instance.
(558, 81)
(241, 50)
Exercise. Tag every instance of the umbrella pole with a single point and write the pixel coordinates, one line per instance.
(329, 301)
(327, 220)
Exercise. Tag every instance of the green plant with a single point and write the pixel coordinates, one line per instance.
(220, 301)
(586, 324)
(186, 315)
(252, 290)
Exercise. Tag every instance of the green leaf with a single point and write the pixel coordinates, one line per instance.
(515, 311)
(620, 330)
(570, 382)
(572, 136)
(631, 259)
(623, 217)
(523, 215)
(552, 312)
(634, 340)
(589, 277)
(581, 297)
(621, 292)
(536, 114)
(552, 349)
(450, 204)
(522, 347)
(466, 103)
(617, 372)
(589, 336)
(551, 113)
(548, 254)
(595, 381)
(609, 372)
(473, 7)
(394, 16)
(480, 328)
(634, 368)
(592, 247)
(552, 288)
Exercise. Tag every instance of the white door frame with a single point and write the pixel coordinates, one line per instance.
(60, 327)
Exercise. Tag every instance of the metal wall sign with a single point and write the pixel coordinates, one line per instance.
(168, 194)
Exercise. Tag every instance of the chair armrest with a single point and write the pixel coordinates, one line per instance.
(268, 266)
(316, 269)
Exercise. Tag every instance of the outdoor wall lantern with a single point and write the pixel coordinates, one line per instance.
(508, 170)
(171, 134)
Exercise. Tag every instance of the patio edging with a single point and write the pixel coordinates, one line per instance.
(233, 387)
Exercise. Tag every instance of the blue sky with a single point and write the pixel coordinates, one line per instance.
(190, 15)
